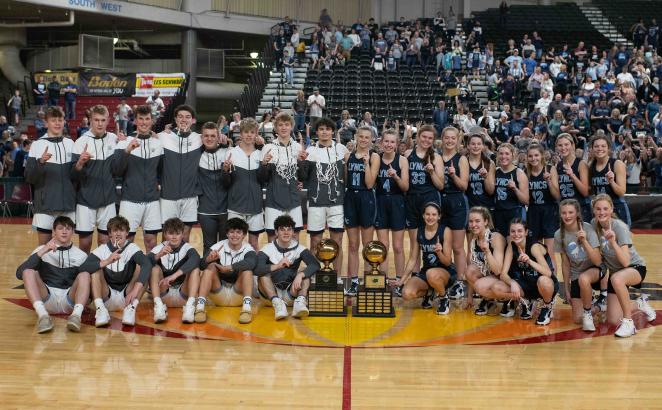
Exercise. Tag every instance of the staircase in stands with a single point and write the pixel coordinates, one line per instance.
(602, 24)
(278, 93)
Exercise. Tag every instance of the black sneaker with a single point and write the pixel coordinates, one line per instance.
(427, 299)
(526, 306)
(483, 307)
(444, 306)
(353, 289)
(545, 315)
(508, 309)
(456, 291)
(600, 302)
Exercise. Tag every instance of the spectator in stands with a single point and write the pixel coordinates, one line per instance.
(325, 19)
(368, 121)
(543, 102)
(316, 104)
(265, 128)
(40, 123)
(508, 89)
(645, 92)
(279, 44)
(440, 116)
(299, 107)
(223, 126)
(288, 63)
(70, 93)
(346, 127)
(234, 126)
(621, 58)
(156, 104)
(53, 92)
(411, 55)
(15, 105)
(639, 32)
(83, 127)
(391, 35)
(122, 115)
(39, 92)
(451, 22)
(21, 158)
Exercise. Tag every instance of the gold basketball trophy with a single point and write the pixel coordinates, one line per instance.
(326, 296)
(374, 298)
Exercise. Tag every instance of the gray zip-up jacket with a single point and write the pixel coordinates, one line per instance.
(57, 269)
(281, 175)
(119, 273)
(272, 254)
(181, 156)
(53, 188)
(245, 190)
(96, 186)
(140, 170)
(213, 181)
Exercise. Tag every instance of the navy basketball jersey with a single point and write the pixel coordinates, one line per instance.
(430, 258)
(476, 194)
(523, 270)
(539, 193)
(505, 198)
(566, 186)
(420, 181)
(356, 173)
(449, 183)
(387, 185)
(599, 182)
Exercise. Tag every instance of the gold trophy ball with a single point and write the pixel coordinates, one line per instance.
(374, 252)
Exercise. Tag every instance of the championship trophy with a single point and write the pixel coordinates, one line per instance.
(374, 298)
(326, 296)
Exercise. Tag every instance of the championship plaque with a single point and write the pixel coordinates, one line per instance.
(374, 299)
(326, 296)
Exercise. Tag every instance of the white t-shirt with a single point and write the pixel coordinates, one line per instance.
(316, 104)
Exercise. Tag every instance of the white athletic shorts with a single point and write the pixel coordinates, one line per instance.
(185, 209)
(173, 297)
(116, 301)
(321, 216)
(145, 214)
(270, 215)
(226, 296)
(255, 222)
(43, 222)
(58, 301)
(88, 218)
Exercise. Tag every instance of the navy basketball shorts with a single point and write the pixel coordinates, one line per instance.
(414, 205)
(455, 208)
(529, 285)
(391, 212)
(543, 221)
(502, 218)
(360, 208)
(423, 274)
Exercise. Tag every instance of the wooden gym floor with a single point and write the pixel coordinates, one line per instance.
(416, 359)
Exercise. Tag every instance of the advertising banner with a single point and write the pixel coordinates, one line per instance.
(96, 83)
(166, 83)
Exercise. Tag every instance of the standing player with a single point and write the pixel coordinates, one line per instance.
(434, 245)
(95, 201)
(281, 282)
(245, 190)
(360, 201)
(578, 245)
(227, 277)
(454, 202)
(179, 178)
(138, 160)
(626, 267)
(278, 170)
(175, 277)
(608, 176)
(213, 198)
(512, 190)
(481, 173)
(53, 280)
(120, 271)
(323, 174)
(543, 212)
(392, 183)
(573, 175)
(48, 169)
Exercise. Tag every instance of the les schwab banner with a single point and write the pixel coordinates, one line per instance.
(166, 83)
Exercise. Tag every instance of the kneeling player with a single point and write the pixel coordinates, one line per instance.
(229, 273)
(120, 271)
(280, 281)
(175, 272)
(53, 279)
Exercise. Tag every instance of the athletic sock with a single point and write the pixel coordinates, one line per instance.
(134, 303)
(190, 301)
(157, 301)
(40, 308)
(98, 302)
(274, 297)
(247, 303)
(355, 279)
(587, 310)
(202, 301)
(78, 309)
(603, 292)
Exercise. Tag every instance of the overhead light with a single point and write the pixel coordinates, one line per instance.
(47, 71)
(115, 40)
(254, 54)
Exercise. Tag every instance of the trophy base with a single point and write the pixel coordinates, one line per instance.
(327, 302)
(373, 303)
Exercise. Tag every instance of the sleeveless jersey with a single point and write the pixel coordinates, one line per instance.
(566, 186)
(477, 256)
(430, 258)
(539, 193)
(599, 182)
(505, 198)
(520, 270)
(420, 181)
(385, 184)
(356, 173)
(449, 184)
(476, 193)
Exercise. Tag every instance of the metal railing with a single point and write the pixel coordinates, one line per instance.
(169, 114)
(249, 101)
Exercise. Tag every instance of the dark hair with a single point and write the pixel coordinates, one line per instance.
(184, 107)
(327, 122)
(54, 112)
(63, 220)
(118, 223)
(284, 221)
(173, 225)
(143, 110)
(236, 224)
(434, 205)
(518, 221)
(484, 159)
(209, 125)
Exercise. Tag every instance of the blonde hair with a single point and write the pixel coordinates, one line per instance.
(484, 213)
(607, 198)
(248, 124)
(541, 150)
(284, 117)
(575, 204)
(457, 134)
(362, 128)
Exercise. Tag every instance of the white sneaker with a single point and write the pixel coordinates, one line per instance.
(587, 322)
(626, 328)
(188, 313)
(101, 317)
(642, 303)
(280, 308)
(129, 316)
(160, 313)
(300, 310)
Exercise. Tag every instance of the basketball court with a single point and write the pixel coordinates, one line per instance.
(417, 359)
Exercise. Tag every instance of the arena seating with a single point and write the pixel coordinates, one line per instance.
(623, 14)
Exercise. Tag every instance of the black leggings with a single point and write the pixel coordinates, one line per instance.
(213, 229)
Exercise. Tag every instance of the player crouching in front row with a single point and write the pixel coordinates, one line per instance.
(228, 273)
(278, 270)
(120, 271)
(53, 278)
(175, 271)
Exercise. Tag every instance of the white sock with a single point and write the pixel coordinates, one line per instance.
(98, 302)
(40, 308)
(134, 303)
(158, 301)
(247, 303)
(190, 301)
(78, 309)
